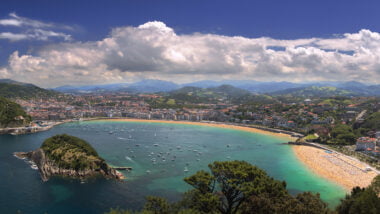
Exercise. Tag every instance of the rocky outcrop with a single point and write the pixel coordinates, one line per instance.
(48, 168)
(23, 130)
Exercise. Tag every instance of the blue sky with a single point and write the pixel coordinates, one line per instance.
(30, 31)
(284, 19)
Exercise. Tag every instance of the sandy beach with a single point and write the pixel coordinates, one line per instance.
(287, 137)
(341, 169)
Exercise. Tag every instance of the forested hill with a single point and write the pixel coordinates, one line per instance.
(314, 91)
(11, 114)
(208, 95)
(69, 156)
(14, 89)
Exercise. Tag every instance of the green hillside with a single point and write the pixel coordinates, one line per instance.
(12, 114)
(371, 123)
(13, 89)
(209, 95)
(314, 91)
(70, 152)
(191, 96)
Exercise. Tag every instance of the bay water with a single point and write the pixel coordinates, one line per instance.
(161, 155)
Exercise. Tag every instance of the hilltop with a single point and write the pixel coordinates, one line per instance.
(144, 86)
(190, 95)
(12, 114)
(13, 89)
(70, 156)
(315, 91)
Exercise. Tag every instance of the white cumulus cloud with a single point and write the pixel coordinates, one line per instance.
(154, 50)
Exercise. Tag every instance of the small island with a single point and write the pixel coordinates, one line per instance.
(65, 155)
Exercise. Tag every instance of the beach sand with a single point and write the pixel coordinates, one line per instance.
(339, 168)
(219, 125)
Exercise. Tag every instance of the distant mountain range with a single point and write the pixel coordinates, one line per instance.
(13, 89)
(272, 88)
(144, 86)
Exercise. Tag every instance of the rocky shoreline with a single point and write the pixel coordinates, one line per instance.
(48, 168)
(23, 130)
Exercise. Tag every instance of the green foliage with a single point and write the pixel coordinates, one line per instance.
(118, 211)
(303, 203)
(70, 152)
(375, 185)
(372, 122)
(239, 187)
(9, 111)
(156, 205)
(12, 89)
(314, 91)
(203, 202)
(229, 186)
(360, 201)
(342, 134)
(310, 203)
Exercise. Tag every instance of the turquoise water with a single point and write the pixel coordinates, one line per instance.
(178, 150)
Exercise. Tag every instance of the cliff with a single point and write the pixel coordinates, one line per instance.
(76, 160)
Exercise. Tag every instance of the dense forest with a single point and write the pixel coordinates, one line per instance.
(14, 89)
(12, 114)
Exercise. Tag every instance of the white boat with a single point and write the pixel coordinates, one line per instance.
(186, 169)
